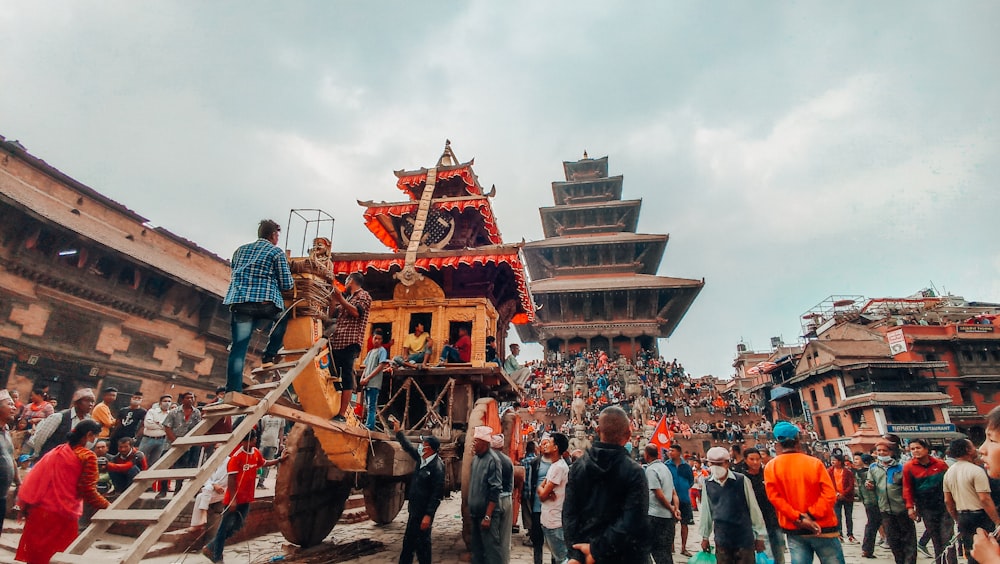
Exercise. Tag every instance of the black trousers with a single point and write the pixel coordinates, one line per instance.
(537, 537)
(901, 532)
(661, 530)
(871, 528)
(939, 528)
(968, 522)
(416, 541)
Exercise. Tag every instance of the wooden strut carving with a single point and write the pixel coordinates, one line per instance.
(409, 274)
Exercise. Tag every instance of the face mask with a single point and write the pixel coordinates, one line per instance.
(719, 472)
(885, 459)
(164, 406)
(420, 450)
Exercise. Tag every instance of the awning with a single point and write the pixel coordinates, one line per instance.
(779, 392)
(408, 181)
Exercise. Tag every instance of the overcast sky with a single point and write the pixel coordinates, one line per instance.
(792, 150)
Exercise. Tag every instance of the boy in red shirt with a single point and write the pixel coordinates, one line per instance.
(242, 468)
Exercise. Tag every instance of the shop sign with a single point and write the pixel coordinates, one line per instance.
(897, 342)
(962, 410)
(975, 328)
(925, 428)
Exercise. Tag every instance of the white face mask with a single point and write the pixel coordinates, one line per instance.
(421, 450)
(719, 472)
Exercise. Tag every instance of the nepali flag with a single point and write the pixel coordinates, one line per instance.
(662, 435)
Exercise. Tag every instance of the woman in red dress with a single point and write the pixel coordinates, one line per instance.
(51, 497)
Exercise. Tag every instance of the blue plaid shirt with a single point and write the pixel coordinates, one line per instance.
(260, 273)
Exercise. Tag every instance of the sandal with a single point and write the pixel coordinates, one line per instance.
(685, 552)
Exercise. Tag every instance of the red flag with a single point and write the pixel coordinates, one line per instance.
(662, 435)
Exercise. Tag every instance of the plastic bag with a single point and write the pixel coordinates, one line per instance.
(763, 558)
(702, 558)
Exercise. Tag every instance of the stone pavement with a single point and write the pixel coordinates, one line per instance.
(448, 544)
(449, 547)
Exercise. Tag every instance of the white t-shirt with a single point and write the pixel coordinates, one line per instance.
(558, 474)
(272, 425)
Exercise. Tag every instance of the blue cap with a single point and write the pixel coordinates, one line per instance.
(785, 431)
(23, 458)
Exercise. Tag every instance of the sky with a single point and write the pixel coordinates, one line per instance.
(792, 150)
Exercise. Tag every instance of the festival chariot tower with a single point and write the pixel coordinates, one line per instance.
(593, 277)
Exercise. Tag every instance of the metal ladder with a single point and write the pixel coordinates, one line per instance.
(158, 520)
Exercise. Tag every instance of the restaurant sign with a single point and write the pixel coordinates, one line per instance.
(978, 328)
(922, 428)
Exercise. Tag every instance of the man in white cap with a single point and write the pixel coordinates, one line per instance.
(7, 468)
(485, 487)
(730, 507)
(54, 429)
(506, 494)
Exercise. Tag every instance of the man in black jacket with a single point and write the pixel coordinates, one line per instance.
(425, 493)
(604, 515)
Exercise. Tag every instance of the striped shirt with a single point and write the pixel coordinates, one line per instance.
(260, 273)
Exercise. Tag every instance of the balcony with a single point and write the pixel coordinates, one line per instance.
(915, 385)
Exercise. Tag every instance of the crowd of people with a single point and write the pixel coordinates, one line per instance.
(90, 452)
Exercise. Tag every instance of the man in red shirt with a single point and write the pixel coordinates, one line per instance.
(242, 468)
(923, 492)
(461, 351)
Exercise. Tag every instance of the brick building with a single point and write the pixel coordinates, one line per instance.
(93, 295)
(922, 366)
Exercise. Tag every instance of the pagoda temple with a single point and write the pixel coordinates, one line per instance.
(593, 277)
(444, 244)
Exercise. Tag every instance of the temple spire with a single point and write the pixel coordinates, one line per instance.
(585, 154)
(448, 157)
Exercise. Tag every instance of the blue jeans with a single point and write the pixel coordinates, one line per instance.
(556, 543)
(450, 354)
(153, 448)
(245, 319)
(269, 453)
(371, 405)
(776, 545)
(828, 549)
(232, 521)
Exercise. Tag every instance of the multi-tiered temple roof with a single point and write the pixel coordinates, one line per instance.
(459, 247)
(593, 277)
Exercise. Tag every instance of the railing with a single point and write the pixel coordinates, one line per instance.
(916, 385)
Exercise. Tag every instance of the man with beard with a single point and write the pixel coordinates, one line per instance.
(607, 500)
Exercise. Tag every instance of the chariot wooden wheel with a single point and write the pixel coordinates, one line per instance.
(308, 503)
(384, 498)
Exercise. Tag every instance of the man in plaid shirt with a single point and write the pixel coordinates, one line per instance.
(351, 312)
(260, 273)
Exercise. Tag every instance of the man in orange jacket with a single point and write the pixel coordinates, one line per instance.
(803, 496)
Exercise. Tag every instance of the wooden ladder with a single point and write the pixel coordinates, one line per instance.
(158, 520)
